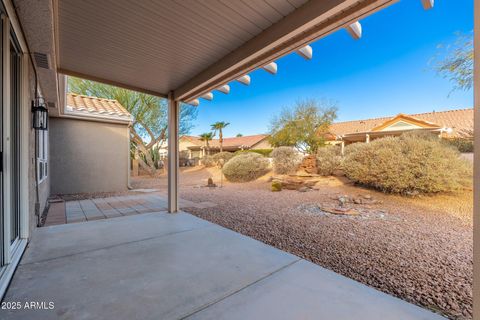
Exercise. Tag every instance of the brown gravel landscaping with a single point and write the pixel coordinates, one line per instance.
(418, 249)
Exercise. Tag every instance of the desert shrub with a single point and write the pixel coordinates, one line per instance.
(225, 156)
(329, 159)
(462, 145)
(208, 161)
(245, 167)
(285, 160)
(407, 164)
(263, 152)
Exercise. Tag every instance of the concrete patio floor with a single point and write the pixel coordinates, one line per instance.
(164, 266)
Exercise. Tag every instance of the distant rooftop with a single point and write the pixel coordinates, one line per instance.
(460, 121)
(237, 142)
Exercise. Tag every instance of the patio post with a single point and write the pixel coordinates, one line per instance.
(173, 154)
(367, 138)
(343, 148)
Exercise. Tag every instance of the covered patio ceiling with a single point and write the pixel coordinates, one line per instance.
(191, 47)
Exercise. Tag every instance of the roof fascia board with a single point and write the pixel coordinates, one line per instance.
(407, 119)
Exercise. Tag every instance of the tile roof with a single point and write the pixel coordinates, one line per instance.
(245, 141)
(460, 121)
(85, 106)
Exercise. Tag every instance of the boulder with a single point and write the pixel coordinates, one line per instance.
(276, 186)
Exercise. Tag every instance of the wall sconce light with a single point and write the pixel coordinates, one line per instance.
(40, 114)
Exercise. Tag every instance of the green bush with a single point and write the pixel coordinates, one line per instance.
(263, 152)
(285, 160)
(246, 167)
(329, 159)
(407, 164)
(225, 156)
(462, 145)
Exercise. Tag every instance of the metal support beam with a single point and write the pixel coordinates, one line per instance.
(173, 153)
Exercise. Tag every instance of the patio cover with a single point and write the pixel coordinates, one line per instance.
(189, 47)
(182, 50)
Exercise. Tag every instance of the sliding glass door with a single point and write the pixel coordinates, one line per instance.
(11, 156)
(15, 147)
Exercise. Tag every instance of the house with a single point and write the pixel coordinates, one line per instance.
(193, 147)
(446, 124)
(155, 265)
(89, 146)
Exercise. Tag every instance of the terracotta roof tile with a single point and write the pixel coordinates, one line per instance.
(81, 105)
(460, 121)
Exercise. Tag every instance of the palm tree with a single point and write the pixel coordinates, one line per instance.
(219, 126)
(206, 137)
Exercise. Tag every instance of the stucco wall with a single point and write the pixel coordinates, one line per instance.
(87, 156)
(264, 144)
(44, 186)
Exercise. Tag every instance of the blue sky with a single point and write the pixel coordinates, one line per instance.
(386, 72)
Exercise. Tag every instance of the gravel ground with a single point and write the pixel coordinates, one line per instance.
(418, 249)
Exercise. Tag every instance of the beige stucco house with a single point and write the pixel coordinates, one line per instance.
(451, 124)
(89, 146)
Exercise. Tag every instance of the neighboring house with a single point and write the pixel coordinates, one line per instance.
(192, 147)
(89, 146)
(446, 124)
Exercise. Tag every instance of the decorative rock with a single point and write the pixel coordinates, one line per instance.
(303, 189)
(210, 183)
(309, 164)
(276, 186)
(341, 211)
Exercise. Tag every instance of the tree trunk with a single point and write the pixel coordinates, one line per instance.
(142, 163)
(149, 166)
(220, 134)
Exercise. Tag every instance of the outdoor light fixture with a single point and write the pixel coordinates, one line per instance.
(40, 114)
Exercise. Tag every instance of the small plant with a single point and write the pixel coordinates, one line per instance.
(285, 160)
(245, 167)
(411, 163)
(329, 160)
